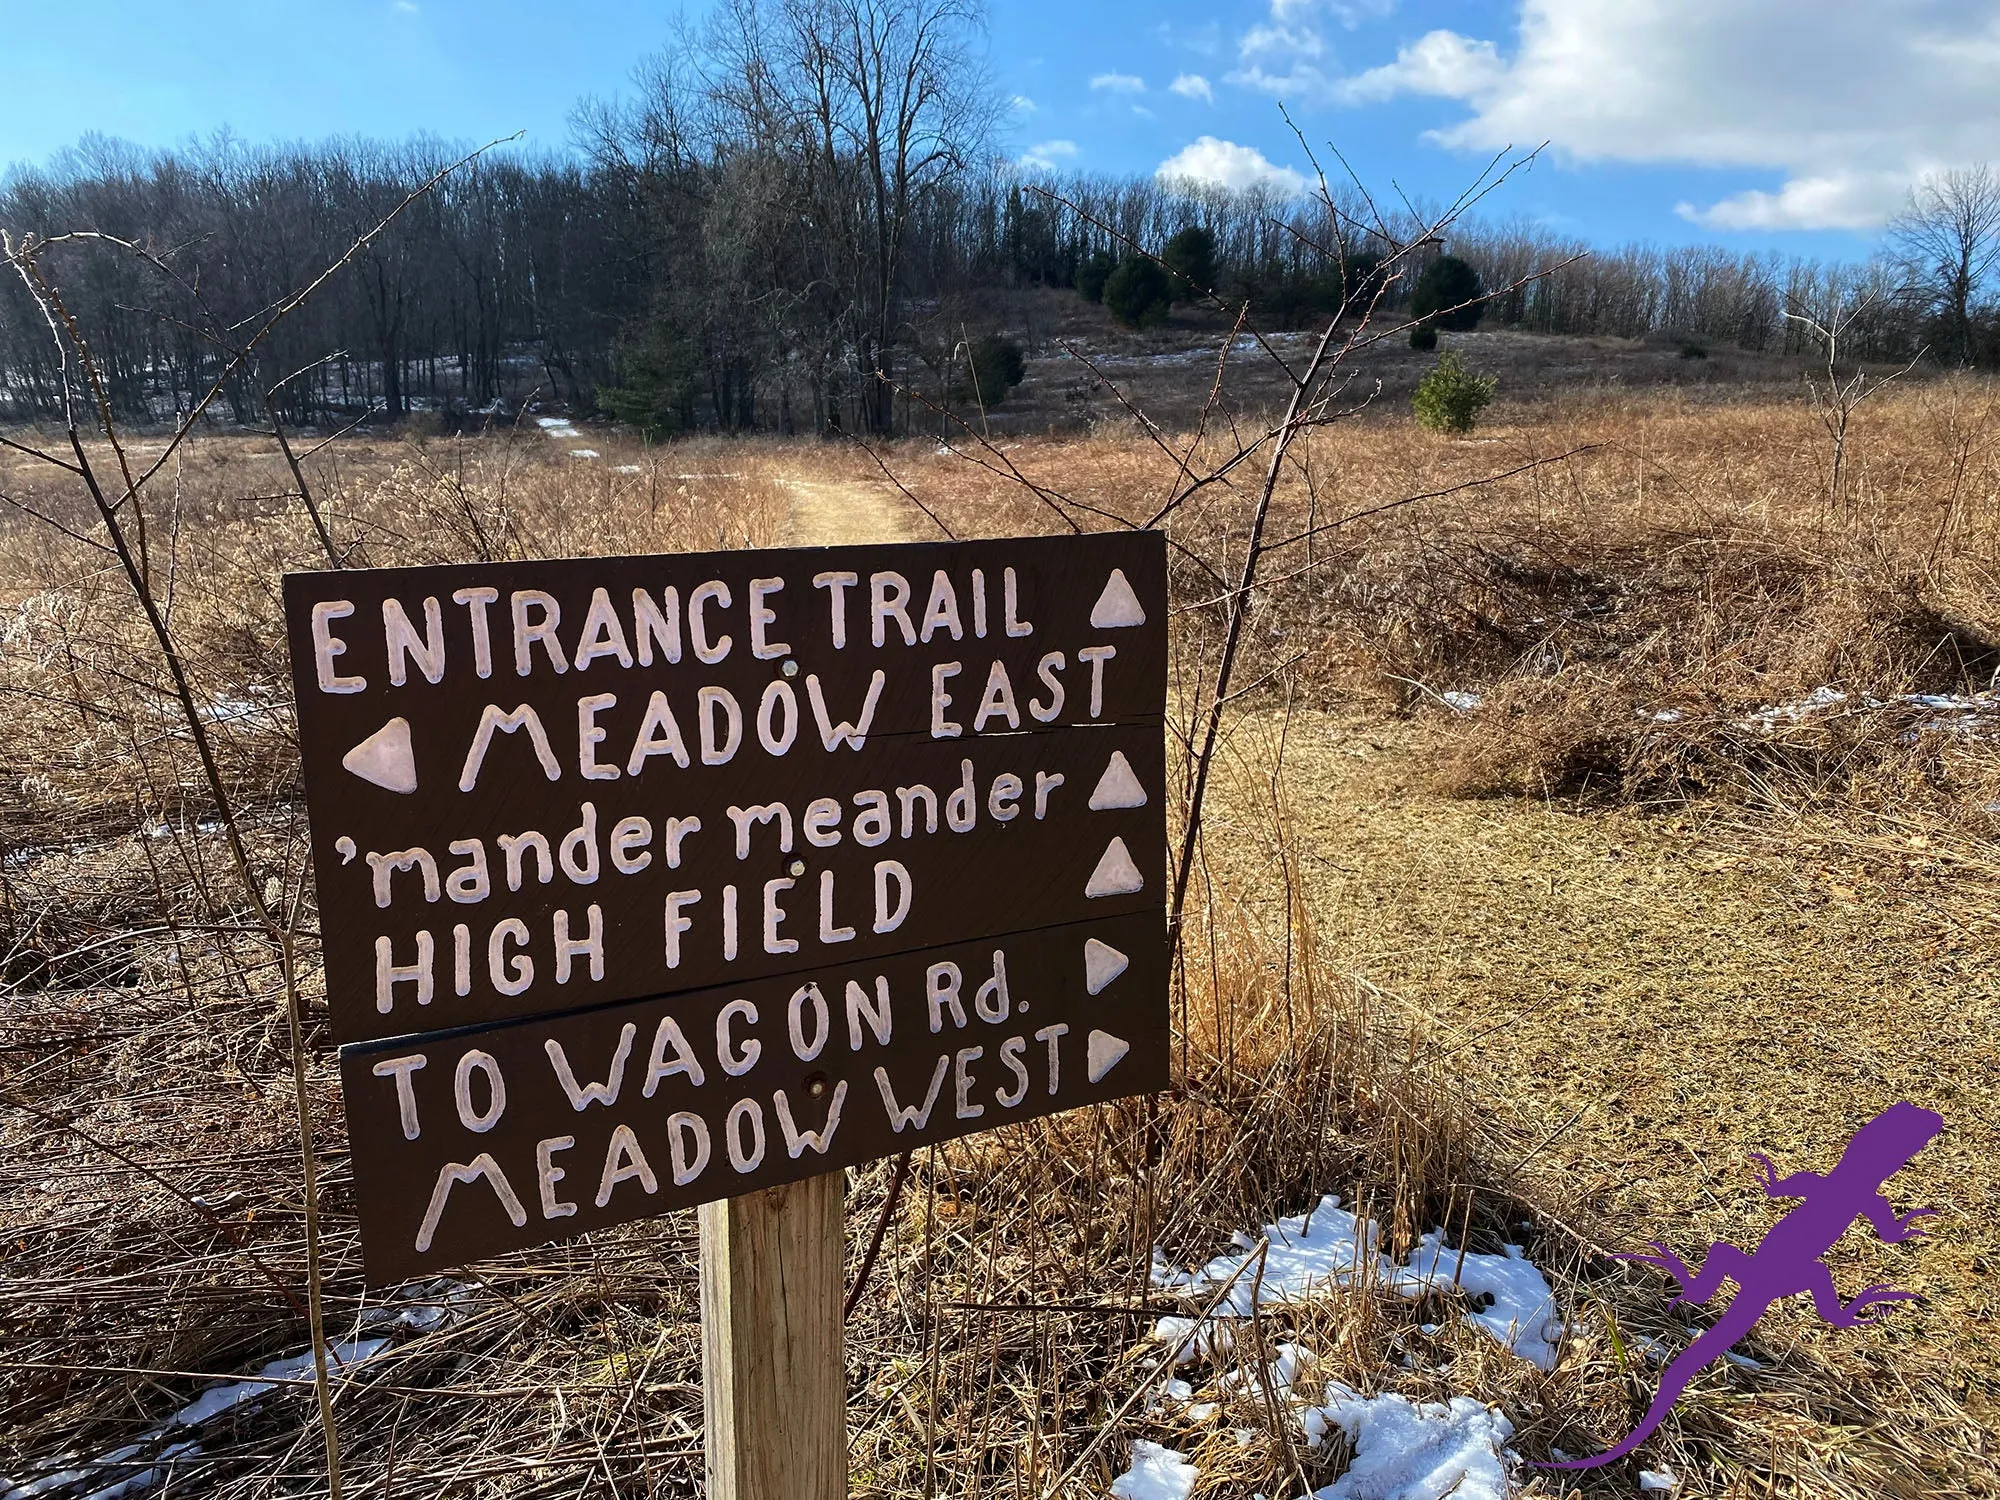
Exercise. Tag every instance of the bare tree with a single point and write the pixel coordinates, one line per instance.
(1947, 243)
(1835, 400)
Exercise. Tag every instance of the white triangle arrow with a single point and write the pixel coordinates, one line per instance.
(1118, 786)
(386, 758)
(1102, 963)
(1117, 606)
(1106, 1052)
(1115, 874)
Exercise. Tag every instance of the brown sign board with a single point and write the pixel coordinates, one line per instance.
(543, 786)
(475, 1142)
(670, 857)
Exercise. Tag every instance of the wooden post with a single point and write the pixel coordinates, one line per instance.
(774, 1385)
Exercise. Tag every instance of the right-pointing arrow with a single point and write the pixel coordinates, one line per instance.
(1115, 874)
(1106, 1052)
(1102, 963)
(386, 758)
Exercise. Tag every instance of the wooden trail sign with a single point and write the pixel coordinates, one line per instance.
(478, 1141)
(538, 787)
(645, 882)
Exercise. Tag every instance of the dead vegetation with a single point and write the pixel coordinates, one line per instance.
(1680, 562)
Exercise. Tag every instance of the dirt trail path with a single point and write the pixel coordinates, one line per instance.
(1666, 999)
(832, 513)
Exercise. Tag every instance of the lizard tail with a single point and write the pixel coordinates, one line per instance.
(1709, 1347)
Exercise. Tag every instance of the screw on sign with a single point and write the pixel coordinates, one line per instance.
(723, 870)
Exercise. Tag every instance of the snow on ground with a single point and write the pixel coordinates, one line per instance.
(1954, 713)
(584, 453)
(1405, 1450)
(1157, 1473)
(1329, 1247)
(135, 1467)
(1657, 1481)
(1522, 1311)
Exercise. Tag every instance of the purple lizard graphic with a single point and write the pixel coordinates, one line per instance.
(1787, 1260)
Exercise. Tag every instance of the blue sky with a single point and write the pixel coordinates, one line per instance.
(1793, 125)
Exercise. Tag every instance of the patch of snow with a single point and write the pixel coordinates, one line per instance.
(218, 1399)
(1193, 1339)
(1954, 713)
(1522, 1313)
(225, 710)
(1462, 702)
(1329, 1247)
(146, 1478)
(1663, 715)
(1405, 1450)
(1157, 1473)
(627, 469)
(584, 453)
(1279, 1374)
(1657, 1480)
(158, 1446)
(548, 422)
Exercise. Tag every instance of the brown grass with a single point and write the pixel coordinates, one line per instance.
(1376, 1002)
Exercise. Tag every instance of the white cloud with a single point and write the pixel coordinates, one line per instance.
(1282, 58)
(1280, 42)
(1844, 200)
(1848, 103)
(1442, 63)
(1218, 163)
(1349, 13)
(1204, 40)
(1192, 86)
(1119, 83)
(1021, 104)
(404, 7)
(1047, 155)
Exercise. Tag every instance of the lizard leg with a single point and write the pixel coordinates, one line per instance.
(1869, 1297)
(1889, 1227)
(1795, 1186)
(1838, 1314)
(1724, 1260)
(1661, 1257)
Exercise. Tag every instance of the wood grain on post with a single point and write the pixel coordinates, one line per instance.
(773, 1378)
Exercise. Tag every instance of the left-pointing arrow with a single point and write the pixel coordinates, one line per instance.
(386, 758)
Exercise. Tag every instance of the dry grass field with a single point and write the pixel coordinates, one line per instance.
(1583, 832)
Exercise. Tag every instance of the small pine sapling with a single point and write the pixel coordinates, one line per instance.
(1450, 397)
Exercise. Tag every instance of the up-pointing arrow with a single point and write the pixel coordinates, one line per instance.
(1118, 786)
(386, 758)
(1117, 607)
(1115, 874)
(1106, 1052)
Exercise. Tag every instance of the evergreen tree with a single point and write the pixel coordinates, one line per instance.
(1190, 256)
(1138, 292)
(1092, 272)
(997, 367)
(1441, 292)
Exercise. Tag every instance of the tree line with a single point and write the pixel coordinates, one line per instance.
(797, 215)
